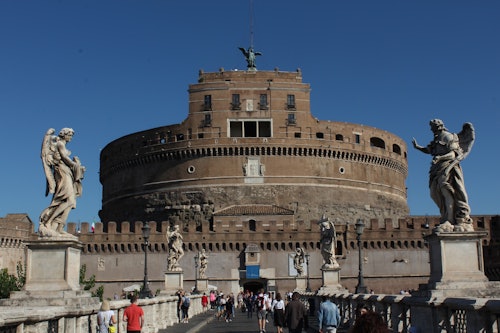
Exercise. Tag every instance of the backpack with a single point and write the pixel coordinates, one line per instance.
(186, 302)
(260, 302)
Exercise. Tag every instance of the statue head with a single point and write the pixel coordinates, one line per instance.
(66, 131)
(437, 124)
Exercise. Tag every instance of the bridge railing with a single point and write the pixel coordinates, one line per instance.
(423, 315)
(159, 313)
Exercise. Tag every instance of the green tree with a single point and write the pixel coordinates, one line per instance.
(89, 283)
(11, 282)
(8, 283)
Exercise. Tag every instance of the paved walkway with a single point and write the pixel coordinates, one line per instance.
(206, 322)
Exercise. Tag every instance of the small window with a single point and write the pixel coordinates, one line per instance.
(358, 138)
(290, 102)
(252, 226)
(339, 137)
(291, 119)
(320, 135)
(377, 142)
(208, 120)
(207, 105)
(297, 134)
(235, 102)
(263, 102)
(396, 148)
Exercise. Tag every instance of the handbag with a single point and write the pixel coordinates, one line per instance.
(111, 328)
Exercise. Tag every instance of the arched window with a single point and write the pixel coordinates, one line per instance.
(252, 225)
(377, 142)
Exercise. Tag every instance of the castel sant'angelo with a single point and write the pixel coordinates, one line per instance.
(246, 176)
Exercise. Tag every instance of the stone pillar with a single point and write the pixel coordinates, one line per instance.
(331, 281)
(300, 283)
(52, 275)
(457, 268)
(174, 280)
(202, 285)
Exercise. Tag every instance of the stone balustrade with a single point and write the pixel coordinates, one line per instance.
(159, 312)
(460, 315)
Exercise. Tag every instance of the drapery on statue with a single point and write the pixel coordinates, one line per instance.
(203, 263)
(64, 180)
(298, 261)
(446, 180)
(175, 251)
(250, 55)
(328, 240)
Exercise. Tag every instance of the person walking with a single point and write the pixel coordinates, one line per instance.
(105, 318)
(370, 322)
(328, 316)
(204, 302)
(133, 316)
(186, 302)
(279, 313)
(295, 312)
(260, 304)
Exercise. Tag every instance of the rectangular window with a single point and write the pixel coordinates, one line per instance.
(290, 102)
(250, 129)
(264, 129)
(263, 102)
(291, 119)
(235, 102)
(207, 105)
(208, 119)
(358, 138)
(236, 129)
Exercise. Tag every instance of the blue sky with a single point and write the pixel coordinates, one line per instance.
(110, 68)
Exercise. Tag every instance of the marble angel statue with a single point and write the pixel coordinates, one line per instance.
(64, 181)
(446, 179)
(328, 240)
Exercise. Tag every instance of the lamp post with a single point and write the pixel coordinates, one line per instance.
(196, 260)
(308, 286)
(146, 292)
(360, 288)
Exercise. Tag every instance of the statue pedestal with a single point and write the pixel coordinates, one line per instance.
(331, 282)
(457, 268)
(300, 283)
(52, 275)
(202, 285)
(173, 282)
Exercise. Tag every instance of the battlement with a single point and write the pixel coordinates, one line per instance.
(270, 235)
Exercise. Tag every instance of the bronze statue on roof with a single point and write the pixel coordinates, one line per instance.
(250, 55)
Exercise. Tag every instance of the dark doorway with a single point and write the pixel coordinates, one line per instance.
(254, 286)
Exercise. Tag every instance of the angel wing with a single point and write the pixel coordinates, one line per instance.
(466, 139)
(257, 53)
(47, 155)
(244, 51)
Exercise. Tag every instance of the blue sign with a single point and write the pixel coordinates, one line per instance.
(253, 272)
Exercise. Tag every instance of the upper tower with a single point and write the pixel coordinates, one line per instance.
(250, 139)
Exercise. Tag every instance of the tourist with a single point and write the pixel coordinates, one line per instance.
(370, 322)
(328, 316)
(204, 302)
(213, 297)
(260, 305)
(105, 318)
(133, 316)
(229, 307)
(295, 312)
(279, 313)
(186, 302)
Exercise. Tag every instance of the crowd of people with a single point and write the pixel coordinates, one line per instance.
(272, 311)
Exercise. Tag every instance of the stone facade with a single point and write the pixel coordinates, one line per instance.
(391, 249)
(15, 230)
(250, 139)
